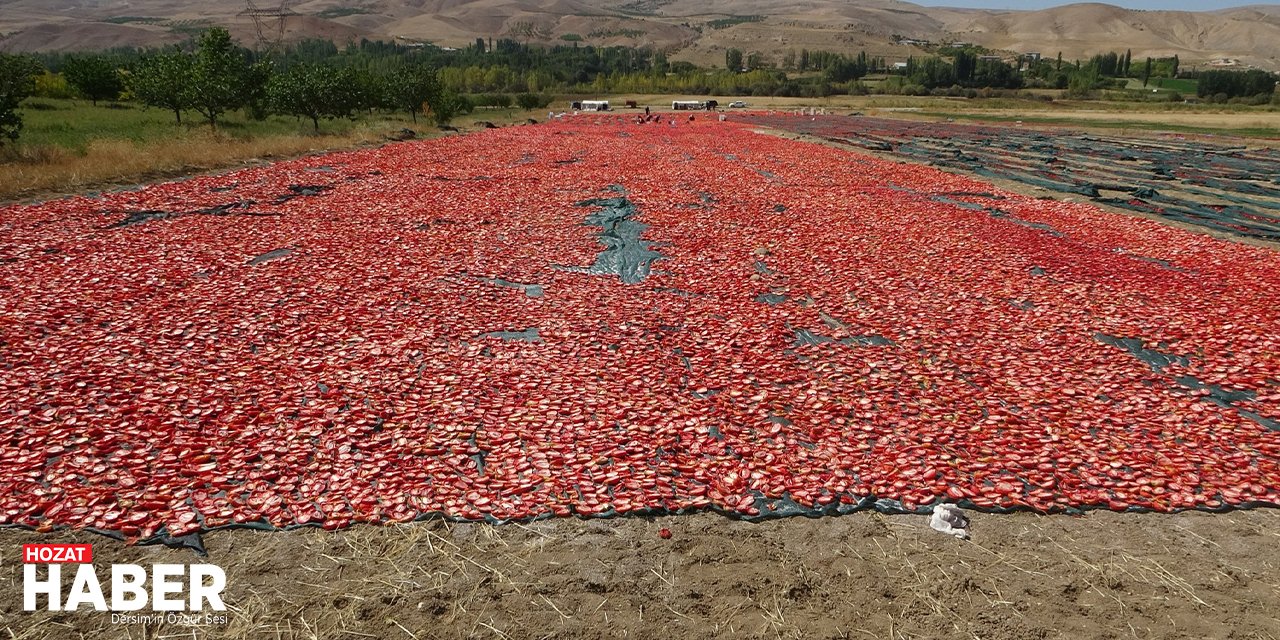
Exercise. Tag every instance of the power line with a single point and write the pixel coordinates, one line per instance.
(269, 22)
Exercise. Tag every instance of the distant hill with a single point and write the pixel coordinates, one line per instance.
(694, 30)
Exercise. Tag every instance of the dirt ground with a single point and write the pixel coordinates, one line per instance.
(866, 575)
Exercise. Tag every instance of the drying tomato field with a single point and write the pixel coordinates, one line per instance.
(600, 318)
(1222, 186)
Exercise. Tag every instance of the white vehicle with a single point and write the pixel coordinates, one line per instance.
(737, 104)
(595, 105)
(688, 105)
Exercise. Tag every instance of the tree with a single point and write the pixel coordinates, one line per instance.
(502, 101)
(17, 81)
(1083, 82)
(1146, 72)
(845, 70)
(1109, 65)
(997, 74)
(96, 77)
(1236, 84)
(446, 105)
(964, 65)
(314, 92)
(253, 88)
(163, 80)
(411, 87)
(220, 76)
(733, 59)
(370, 89)
(529, 101)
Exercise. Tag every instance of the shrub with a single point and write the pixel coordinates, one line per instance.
(17, 81)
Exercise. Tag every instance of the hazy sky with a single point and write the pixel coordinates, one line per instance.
(1179, 5)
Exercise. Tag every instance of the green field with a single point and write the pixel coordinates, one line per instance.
(74, 124)
(69, 145)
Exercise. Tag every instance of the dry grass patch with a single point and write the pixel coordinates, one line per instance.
(36, 170)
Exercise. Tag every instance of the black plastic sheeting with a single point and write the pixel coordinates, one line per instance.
(531, 290)
(769, 509)
(995, 213)
(303, 191)
(137, 217)
(236, 208)
(626, 255)
(1159, 361)
(1229, 189)
(274, 254)
(528, 335)
(808, 337)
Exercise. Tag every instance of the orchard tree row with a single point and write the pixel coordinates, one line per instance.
(217, 76)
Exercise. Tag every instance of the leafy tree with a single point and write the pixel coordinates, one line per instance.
(314, 92)
(253, 88)
(931, 72)
(499, 100)
(53, 85)
(529, 101)
(370, 89)
(995, 73)
(96, 77)
(1083, 82)
(845, 69)
(1236, 84)
(446, 105)
(17, 81)
(164, 81)
(411, 87)
(733, 59)
(221, 79)
(964, 65)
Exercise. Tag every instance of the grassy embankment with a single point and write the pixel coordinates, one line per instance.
(70, 145)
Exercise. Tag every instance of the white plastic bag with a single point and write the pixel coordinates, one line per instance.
(950, 519)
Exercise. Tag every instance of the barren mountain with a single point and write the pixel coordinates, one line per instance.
(699, 30)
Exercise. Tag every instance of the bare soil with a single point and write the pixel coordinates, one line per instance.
(866, 575)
